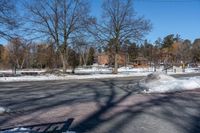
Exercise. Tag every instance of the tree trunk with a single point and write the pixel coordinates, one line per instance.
(115, 70)
(63, 59)
(73, 70)
(21, 67)
(18, 66)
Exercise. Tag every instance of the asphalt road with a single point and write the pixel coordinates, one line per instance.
(100, 106)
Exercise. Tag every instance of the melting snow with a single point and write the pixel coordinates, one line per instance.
(161, 83)
(87, 73)
(2, 110)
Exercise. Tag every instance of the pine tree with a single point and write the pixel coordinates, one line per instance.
(91, 56)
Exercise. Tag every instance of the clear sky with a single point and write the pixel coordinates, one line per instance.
(167, 16)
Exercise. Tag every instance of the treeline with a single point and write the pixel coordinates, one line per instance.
(171, 50)
(22, 54)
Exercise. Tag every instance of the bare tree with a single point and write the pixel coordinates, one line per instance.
(18, 50)
(8, 19)
(196, 50)
(120, 23)
(185, 51)
(60, 20)
(4, 57)
(82, 48)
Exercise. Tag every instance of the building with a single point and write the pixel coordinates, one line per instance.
(140, 62)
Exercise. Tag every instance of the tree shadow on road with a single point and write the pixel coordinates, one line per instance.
(53, 127)
(181, 109)
(119, 107)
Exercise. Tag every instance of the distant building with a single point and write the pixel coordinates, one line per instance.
(140, 62)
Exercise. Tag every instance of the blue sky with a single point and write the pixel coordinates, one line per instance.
(167, 16)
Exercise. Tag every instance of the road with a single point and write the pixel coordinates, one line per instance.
(100, 106)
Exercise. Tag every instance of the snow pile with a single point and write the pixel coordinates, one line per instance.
(4, 110)
(161, 83)
(48, 77)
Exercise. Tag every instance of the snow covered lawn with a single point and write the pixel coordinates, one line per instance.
(67, 77)
(84, 73)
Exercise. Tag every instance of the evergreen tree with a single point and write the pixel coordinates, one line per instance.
(91, 56)
(168, 41)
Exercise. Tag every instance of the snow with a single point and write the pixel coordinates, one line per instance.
(162, 83)
(94, 70)
(86, 73)
(2, 110)
(137, 70)
(67, 77)
(24, 70)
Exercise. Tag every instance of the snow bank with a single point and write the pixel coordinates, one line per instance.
(2, 110)
(49, 77)
(161, 83)
(86, 73)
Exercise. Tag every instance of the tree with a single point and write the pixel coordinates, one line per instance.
(61, 21)
(91, 53)
(120, 23)
(18, 50)
(196, 50)
(82, 48)
(157, 53)
(168, 49)
(158, 43)
(168, 41)
(1, 52)
(133, 51)
(73, 62)
(8, 19)
(184, 51)
(45, 56)
(4, 57)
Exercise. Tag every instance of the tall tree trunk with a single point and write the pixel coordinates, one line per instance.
(63, 59)
(18, 66)
(115, 70)
(21, 66)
